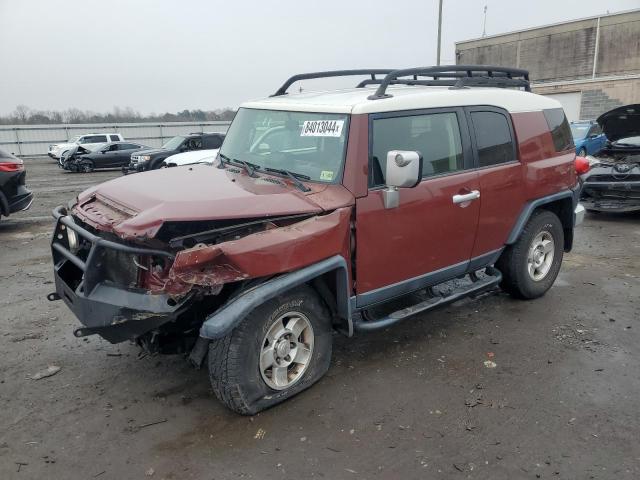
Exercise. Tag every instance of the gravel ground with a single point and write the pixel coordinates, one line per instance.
(413, 401)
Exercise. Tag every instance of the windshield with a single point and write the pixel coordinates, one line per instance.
(311, 144)
(74, 139)
(579, 131)
(174, 143)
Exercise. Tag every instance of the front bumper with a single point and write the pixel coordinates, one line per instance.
(135, 167)
(115, 312)
(618, 196)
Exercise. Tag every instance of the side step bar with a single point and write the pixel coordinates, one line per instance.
(493, 278)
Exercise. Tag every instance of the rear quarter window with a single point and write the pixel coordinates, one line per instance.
(493, 138)
(559, 128)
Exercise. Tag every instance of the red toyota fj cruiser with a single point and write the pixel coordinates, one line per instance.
(321, 208)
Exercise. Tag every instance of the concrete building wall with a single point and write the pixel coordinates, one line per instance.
(598, 57)
(597, 96)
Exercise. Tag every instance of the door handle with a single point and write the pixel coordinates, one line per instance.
(467, 197)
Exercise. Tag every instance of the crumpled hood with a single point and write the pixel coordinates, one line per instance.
(136, 206)
(621, 122)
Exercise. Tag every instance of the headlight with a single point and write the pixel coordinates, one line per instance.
(72, 238)
(144, 158)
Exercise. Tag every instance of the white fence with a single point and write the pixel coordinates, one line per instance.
(34, 140)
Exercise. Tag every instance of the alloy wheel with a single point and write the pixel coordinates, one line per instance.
(286, 350)
(540, 256)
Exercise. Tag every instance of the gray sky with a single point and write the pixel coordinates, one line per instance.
(162, 55)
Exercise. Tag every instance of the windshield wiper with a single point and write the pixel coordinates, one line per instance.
(293, 176)
(249, 167)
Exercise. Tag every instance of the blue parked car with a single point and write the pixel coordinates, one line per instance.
(588, 137)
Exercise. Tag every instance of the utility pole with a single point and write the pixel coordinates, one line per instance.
(484, 23)
(439, 32)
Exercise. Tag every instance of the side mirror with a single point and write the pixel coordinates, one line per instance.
(404, 170)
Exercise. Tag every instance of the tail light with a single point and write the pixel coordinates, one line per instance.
(11, 166)
(582, 165)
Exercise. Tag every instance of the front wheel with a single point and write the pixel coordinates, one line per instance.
(279, 349)
(530, 266)
(582, 152)
(87, 166)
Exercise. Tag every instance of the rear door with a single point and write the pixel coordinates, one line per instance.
(500, 175)
(429, 236)
(107, 158)
(122, 155)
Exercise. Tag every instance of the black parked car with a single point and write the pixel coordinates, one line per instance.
(152, 159)
(613, 182)
(109, 155)
(14, 195)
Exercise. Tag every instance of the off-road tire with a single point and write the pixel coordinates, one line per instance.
(513, 263)
(234, 367)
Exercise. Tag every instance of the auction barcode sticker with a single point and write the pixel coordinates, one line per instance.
(322, 128)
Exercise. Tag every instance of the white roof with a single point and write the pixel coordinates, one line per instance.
(354, 100)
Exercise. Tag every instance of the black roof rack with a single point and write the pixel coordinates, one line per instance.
(455, 76)
(372, 72)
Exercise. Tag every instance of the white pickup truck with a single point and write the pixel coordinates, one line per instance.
(88, 140)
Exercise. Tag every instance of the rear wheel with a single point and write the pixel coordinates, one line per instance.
(279, 349)
(530, 266)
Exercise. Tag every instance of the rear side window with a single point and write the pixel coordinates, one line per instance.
(114, 138)
(560, 129)
(493, 138)
(436, 136)
(212, 141)
(94, 139)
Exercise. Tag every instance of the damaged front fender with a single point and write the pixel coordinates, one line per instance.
(272, 251)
